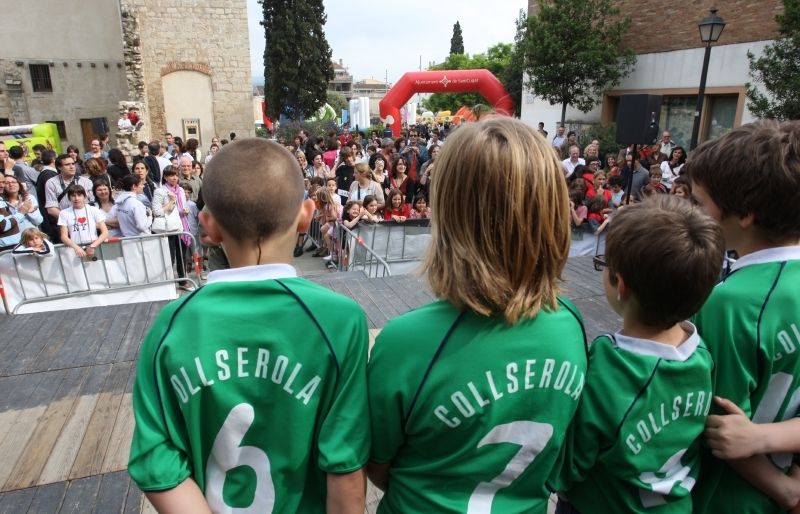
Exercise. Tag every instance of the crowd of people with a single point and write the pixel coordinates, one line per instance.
(81, 200)
(489, 398)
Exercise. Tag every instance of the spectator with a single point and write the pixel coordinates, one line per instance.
(118, 167)
(187, 177)
(25, 174)
(132, 215)
(19, 201)
(104, 200)
(673, 167)
(573, 160)
(170, 215)
(148, 186)
(365, 185)
(95, 151)
(400, 181)
(55, 189)
(82, 226)
(96, 171)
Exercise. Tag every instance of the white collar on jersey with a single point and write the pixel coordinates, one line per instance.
(647, 347)
(253, 273)
(780, 254)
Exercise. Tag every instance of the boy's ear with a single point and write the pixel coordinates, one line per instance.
(210, 226)
(305, 215)
(623, 291)
(747, 221)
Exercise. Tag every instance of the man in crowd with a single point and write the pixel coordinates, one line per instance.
(573, 160)
(24, 173)
(55, 190)
(559, 139)
(667, 144)
(415, 152)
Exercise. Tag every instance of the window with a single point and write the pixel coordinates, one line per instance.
(5, 122)
(722, 113)
(677, 116)
(62, 129)
(40, 78)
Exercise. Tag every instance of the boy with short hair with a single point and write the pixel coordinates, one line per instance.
(636, 436)
(749, 181)
(251, 391)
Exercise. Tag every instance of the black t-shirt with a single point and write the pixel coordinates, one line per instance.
(344, 177)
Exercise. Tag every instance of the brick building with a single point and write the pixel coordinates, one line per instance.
(186, 63)
(669, 62)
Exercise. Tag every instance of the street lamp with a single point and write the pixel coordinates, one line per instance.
(710, 31)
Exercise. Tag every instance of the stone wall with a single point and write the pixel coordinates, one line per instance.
(201, 35)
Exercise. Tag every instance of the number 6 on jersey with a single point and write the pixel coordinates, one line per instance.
(226, 454)
(532, 437)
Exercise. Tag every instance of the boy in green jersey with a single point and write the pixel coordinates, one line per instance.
(470, 396)
(749, 181)
(251, 391)
(635, 443)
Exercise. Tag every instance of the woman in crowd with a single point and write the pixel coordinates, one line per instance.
(118, 167)
(96, 170)
(197, 170)
(104, 200)
(365, 185)
(148, 186)
(672, 167)
(379, 170)
(132, 218)
(320, 169)
(20, 201)
(331, 152)
(193, 149)
(73, 152)
(401, 181)
(425, 173)
(305, 167)
(170, 215)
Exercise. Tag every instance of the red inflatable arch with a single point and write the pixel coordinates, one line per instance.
(451, 81)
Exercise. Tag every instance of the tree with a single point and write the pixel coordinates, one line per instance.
(573, 51)
(778, 69)
(297, 58)
(457, 41)
(337, 101)
(496, 59)
(512, 74)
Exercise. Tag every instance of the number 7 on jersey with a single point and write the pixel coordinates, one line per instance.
(531, 436)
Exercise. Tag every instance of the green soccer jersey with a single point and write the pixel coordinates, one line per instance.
(751, 323)
(634, 446)
(255, 387)
(471, 412)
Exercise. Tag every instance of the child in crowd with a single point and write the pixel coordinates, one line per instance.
(637, 450)
(370, 211)
(192, 218)
(597, 213)
(749, 181)
(681, 188)
(83, 226)
(600, 181)
(34, 242)
(578, 210)
(396, 209)
(655, 179)
(330, 185)
(266, 409)
(329, 212)
(615, 183)
(420, 209)
(469, 414)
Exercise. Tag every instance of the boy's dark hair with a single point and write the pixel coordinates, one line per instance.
(330, 178)
(614, 180)
(169, 170)
(129, 181)
(75, 189)
(669, 254)
(254, 189)
(39, 146)
(754, 169)
(16, 152)
(317, 181)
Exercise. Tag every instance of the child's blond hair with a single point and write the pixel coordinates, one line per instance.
(504, 254)
(29, 233)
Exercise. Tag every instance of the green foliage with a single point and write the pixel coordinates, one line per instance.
(297, 58)
(287, 130)
(778, 70)
(573, 51)
(457, 41)
(497, 60)
(512, 74)
(337, 101)
(606, 134)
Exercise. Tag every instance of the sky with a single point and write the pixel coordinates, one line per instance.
(391, 39)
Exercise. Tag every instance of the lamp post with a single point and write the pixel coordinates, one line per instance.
(710, 31)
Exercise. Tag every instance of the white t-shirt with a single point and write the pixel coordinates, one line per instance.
(81, 223)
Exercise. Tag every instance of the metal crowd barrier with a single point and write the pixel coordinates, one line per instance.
(120, 265)
(385, 248)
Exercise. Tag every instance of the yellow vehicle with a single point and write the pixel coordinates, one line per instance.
(28, 136)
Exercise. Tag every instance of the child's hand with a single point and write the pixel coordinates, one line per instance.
(572, 205)
(732, 436)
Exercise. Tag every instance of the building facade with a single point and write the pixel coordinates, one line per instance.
(669, 52)
(187, 63)
(342, 80)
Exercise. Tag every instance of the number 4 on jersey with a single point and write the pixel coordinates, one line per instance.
(532, 437)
